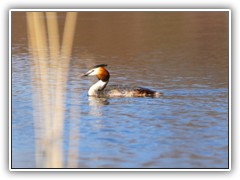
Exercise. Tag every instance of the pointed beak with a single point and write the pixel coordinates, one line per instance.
(87, 73)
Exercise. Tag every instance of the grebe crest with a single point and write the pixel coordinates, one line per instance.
(100, 88)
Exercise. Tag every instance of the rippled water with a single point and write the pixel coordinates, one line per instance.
(182, 54)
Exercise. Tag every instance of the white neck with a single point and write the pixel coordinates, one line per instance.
(98, 86)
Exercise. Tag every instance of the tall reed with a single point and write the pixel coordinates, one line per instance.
(50, 67)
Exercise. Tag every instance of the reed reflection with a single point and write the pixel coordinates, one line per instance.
(50, 66)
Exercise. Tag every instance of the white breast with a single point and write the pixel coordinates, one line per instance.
(98, 86)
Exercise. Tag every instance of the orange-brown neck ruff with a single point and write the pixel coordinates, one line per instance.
(103, 74)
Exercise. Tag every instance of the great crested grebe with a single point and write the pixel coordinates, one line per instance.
(100, 88)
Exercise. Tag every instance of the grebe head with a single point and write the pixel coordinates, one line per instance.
(103, 77)
(99, 71)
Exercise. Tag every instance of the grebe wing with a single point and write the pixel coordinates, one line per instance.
(119, 90)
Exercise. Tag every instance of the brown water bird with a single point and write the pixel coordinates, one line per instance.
(100, 88)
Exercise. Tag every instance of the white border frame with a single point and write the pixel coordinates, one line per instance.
(123, 10)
